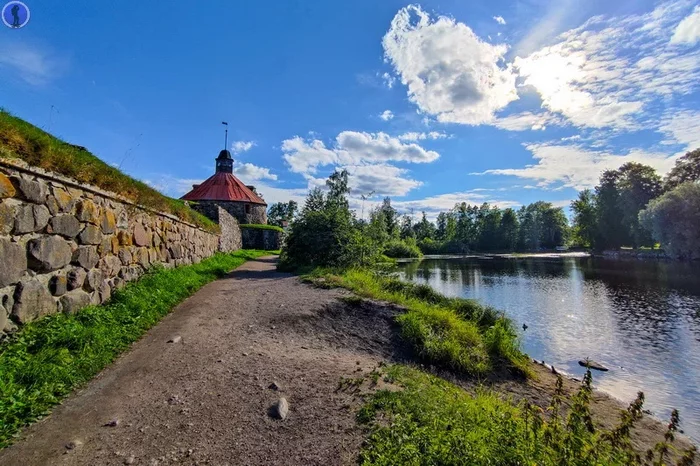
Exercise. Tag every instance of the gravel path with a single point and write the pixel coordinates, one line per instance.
(205, 398)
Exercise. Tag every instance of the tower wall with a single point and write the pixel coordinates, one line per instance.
(244, 212)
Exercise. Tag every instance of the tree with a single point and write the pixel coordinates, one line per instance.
(424, 229)
(338, 189)
(281, 212)
(407, 227)
(315, 201)
(637, 185)
(391, 218)
(489, 222)
(687, 168)
(542, 226)
(674, 220)
(611, 232)
(508, 231)
(584, 228)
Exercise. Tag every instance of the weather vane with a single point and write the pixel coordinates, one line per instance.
(225, 135)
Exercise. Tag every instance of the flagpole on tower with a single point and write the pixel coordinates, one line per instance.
(225, 135)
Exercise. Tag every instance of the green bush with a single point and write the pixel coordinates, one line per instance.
(430, 246)
(430, 421)
(399, 249)
(48, 358)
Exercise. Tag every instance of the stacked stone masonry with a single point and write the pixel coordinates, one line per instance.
(64, 246)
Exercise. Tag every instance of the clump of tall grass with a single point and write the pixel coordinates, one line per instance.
(431, 421)
(455, 333)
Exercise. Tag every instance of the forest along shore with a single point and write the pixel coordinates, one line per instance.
(199, 387)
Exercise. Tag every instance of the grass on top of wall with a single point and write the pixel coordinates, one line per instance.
(20, 139)
(261, 226)
(458, 334)
(46, 359)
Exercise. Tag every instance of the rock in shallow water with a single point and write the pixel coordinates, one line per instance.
(592, 365)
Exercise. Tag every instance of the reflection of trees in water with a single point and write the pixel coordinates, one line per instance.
(643, 274)
(648, 300)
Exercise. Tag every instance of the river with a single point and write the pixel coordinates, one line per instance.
(640, 319)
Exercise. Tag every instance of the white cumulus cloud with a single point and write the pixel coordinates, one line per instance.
(386, 115)
(238, 147)
(351, 148)
(449, 71)
(499, 20)
(688, 30)
(249, 172)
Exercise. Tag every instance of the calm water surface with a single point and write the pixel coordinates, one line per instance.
(639, 319)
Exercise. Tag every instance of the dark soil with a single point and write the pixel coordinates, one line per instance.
(205, 399)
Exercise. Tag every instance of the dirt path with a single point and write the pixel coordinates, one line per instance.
(205, 399)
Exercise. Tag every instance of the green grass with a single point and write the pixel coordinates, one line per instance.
(458, 334)
(261, 227)
(429, 421)
(47, 359)
(22, 140)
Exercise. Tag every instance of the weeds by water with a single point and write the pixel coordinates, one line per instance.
(431, 421)
(47, 359)
(455, 333)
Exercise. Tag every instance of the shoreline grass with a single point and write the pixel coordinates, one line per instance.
(425, 420)
(454, 333)
(47, 359)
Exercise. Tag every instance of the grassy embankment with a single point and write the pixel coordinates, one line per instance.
(256, 226)
(431, 421)
(458, 334)
(47, 359)
(22, 140)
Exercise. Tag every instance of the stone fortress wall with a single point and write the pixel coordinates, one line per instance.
(64, 245)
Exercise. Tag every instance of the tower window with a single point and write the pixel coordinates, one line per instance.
(247, 209)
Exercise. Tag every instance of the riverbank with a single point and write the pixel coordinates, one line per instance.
(505, 381)
(200, 386)
(514, 255)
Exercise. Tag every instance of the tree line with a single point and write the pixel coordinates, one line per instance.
(631, 206)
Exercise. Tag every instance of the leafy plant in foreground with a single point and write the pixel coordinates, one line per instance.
(431, 421)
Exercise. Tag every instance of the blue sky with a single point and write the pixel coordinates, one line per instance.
(430, 103)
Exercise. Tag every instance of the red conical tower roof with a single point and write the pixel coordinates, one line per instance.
(223, 186)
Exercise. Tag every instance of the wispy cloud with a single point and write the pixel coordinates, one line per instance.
(499, 20)
(574, 166)
(34, 64)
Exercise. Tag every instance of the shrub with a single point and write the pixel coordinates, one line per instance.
(398, 249)
(430, 246)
